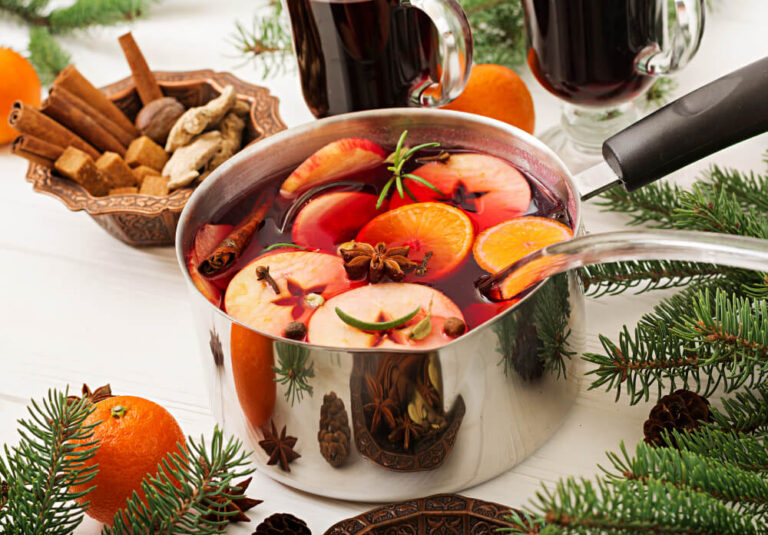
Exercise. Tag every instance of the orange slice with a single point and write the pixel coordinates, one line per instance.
(508, 242)
(425, 227)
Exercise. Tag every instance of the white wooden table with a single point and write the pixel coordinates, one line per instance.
(77, 305)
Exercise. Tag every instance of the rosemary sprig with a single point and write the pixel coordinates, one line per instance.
(292, 371)
(401, 155)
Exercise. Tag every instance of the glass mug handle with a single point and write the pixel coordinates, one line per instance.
(685, 40)
(455, 48)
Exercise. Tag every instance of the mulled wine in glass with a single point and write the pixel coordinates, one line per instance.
(364, 54)
(598, 56)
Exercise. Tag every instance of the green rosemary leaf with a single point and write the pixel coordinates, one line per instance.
(375, 325)
(425, 182)
(384, 191)
(280, 245)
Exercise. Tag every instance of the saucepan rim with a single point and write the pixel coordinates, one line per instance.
(282, 137)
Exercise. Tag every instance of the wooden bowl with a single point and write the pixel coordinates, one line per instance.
(143, 220)
(441, 514)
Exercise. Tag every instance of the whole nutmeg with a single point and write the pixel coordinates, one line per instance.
(454, 327)
(156, 119)
(295, 331)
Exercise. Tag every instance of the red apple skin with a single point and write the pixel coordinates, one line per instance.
(206, 239)
(335, 160)
(508, 193)
(332, 219)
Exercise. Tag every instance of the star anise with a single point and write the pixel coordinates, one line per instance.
(363, 259)
(279, 447)
(382, 408)
(226, 508)
(406, 431)
(466, 200)
(100, 394)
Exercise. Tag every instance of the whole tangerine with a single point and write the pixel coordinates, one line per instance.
(18, 81)
(497, 92)
(134, 435)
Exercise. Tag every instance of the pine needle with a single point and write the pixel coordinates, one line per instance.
(183, 492)
(40, 470)
(45, 54)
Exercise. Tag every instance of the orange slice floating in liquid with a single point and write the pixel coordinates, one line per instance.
(508, 242)
(425, 227)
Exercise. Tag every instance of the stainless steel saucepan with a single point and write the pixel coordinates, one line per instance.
(489, 398)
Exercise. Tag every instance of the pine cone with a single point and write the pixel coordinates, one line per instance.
(682, 410)
(282, 524)
(334, 430)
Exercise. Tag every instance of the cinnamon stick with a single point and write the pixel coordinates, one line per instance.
(73, 118)
(230, 248)
(121, 134)
(143, 79)
(26, 147)
(71, 80)
(26, 119)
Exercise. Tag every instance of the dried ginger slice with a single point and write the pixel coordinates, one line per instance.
(184, 166)
(196, 120)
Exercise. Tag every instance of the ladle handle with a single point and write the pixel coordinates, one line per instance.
(730, 109)
(707, 247)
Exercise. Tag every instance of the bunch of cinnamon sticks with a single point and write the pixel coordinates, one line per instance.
(82, 135)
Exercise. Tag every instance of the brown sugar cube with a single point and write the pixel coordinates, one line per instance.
(124, 190)
(78, 166)
(144, 151)
(113, 165)
(142, 171)
(154, 185)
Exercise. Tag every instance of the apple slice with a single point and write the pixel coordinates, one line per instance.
(329, 220)
(488, 189)
(297, 273)
(379, 303)
(342, 157)
(206, 239)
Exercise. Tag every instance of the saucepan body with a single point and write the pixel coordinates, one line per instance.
(485, 401)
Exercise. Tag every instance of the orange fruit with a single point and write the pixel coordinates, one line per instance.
(252, 361)
(497, 92)
(426, 226)
(134, 435)
(18, 81)
(508, 242)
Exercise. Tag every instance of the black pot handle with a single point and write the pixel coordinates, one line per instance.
(730, 109)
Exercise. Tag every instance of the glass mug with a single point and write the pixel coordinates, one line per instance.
(599, 55)
(364, 54)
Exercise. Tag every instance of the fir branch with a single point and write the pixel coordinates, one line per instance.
(267, 43)
(84, 13)
(750, 190)
(726, 447)
(190, 485)
(645, 275)
(745, 411)
(708, 210)
(45, 54)
(654, 204)
(498, 31)
(630, 507)
(552, 312)
(28, 11)
(745, 491)
(656, 356)
(734, 328)
(292, 371)
(45, 464)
